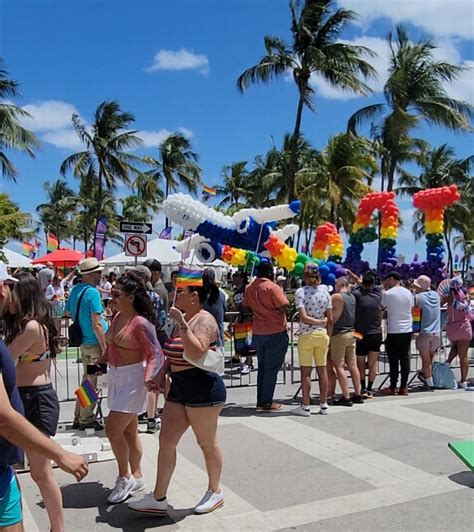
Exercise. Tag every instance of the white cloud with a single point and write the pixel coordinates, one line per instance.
(437, 17)
(463, 88)
(151, 139)
(65, 138)
(180, 60)
(48, 115)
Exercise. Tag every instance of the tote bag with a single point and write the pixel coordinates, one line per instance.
(212, 360)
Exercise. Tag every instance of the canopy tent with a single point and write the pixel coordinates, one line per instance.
(15, 260)
(65, 258)
(162, 250)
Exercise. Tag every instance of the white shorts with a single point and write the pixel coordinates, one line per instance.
(127, 392)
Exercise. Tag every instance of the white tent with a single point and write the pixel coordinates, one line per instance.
(162, 250)
(15, 260)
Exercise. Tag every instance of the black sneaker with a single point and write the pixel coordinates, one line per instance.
(357, 399)
(152, 426)
(342, 401)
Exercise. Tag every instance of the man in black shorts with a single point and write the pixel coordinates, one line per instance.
(368, 329)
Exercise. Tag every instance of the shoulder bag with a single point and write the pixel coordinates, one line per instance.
(74, 330)
(212, 360)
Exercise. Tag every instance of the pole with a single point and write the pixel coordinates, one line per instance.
(136, 261)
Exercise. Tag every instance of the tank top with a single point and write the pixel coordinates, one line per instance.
(346, 321)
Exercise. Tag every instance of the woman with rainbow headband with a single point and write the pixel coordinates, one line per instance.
(196, 397)
(33, 341)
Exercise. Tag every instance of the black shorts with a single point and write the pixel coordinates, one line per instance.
(41, 407)
(370, 342)
(197, 388)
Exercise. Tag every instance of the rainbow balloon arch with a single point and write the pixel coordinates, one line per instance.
(217, 236)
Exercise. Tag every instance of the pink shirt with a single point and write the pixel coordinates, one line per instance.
(137, 336)
(265, 298)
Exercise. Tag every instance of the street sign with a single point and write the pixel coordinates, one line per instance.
(135, 245)
(137, 228)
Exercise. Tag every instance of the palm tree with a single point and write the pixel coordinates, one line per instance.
(134, 209)
(439, 168)
(12, 135)
(13, 222)
(105, 160)
(55, 214)
(414, 92)
(316, 26)
(176, 165)
(237, 185)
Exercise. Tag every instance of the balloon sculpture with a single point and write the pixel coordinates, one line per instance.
(328, 236)
(433, 202)
(363, 232)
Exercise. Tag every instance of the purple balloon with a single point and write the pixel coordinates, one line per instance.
(340, 272)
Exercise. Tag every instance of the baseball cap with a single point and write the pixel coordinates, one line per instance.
(393, 275)
(312, 268)
(423, 282)
(4, 275)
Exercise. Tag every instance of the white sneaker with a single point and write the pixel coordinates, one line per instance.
(323, 411)
(210, 502)
(245, 370)
(301, 411)
(122, 490)
(149, 505)
(139, 485)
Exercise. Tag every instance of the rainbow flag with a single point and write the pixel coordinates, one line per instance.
(243, 337)
(209, 191)
(26, 248)
(416, 319)
(187, 277)
(52, 243)
(86, 394)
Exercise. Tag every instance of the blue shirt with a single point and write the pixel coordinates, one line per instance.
(9, 454)
(90, 303)
(430, 311)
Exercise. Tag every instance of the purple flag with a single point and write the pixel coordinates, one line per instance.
(165, 234)
(99, 242)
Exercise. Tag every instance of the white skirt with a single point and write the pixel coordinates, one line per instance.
(127, 392)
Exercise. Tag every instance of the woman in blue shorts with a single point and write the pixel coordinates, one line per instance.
(195, 399)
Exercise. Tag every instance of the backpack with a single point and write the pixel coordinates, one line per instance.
(443, 376)
(74, 330)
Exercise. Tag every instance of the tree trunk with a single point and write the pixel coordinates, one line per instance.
(294, 150)
(167, 191)
(391, 174)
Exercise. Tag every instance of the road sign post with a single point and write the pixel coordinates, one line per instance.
(135, 246)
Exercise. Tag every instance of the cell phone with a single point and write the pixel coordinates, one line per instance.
(94, 369)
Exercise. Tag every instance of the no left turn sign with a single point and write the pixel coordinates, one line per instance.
(135, 245)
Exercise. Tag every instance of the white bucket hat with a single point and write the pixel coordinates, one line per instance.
(90, 265)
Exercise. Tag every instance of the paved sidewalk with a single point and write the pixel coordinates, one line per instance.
(384, 465)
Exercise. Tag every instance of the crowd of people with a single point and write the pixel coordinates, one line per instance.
(151, 340)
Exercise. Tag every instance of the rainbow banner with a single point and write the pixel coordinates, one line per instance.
(52, 243)
(187, 277)
(243, 336)
(86, 394)
(209, 191)
(416, 319)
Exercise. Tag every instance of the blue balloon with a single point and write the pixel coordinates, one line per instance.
(324, 270)
(331, 278)
(332, 266)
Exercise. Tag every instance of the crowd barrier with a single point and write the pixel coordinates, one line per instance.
(69, 369)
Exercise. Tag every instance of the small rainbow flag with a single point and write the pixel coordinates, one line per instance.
(52, 243)
(209, 191)
(416, 319)
(187, 277)
(86, 394)
(243, 336)
(26, 249)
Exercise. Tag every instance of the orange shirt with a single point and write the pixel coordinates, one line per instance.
(264, 298)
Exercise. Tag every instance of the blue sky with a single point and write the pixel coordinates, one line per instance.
(174, 66)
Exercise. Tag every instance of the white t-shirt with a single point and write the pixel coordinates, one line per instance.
(398, 301)
(106, 286)
(315, 300)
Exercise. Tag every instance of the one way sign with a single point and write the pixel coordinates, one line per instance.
(138, 228)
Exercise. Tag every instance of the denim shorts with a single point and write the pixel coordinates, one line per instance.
(197, 388)
(41, 407)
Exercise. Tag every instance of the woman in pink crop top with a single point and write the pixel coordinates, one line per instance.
(135, 358)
